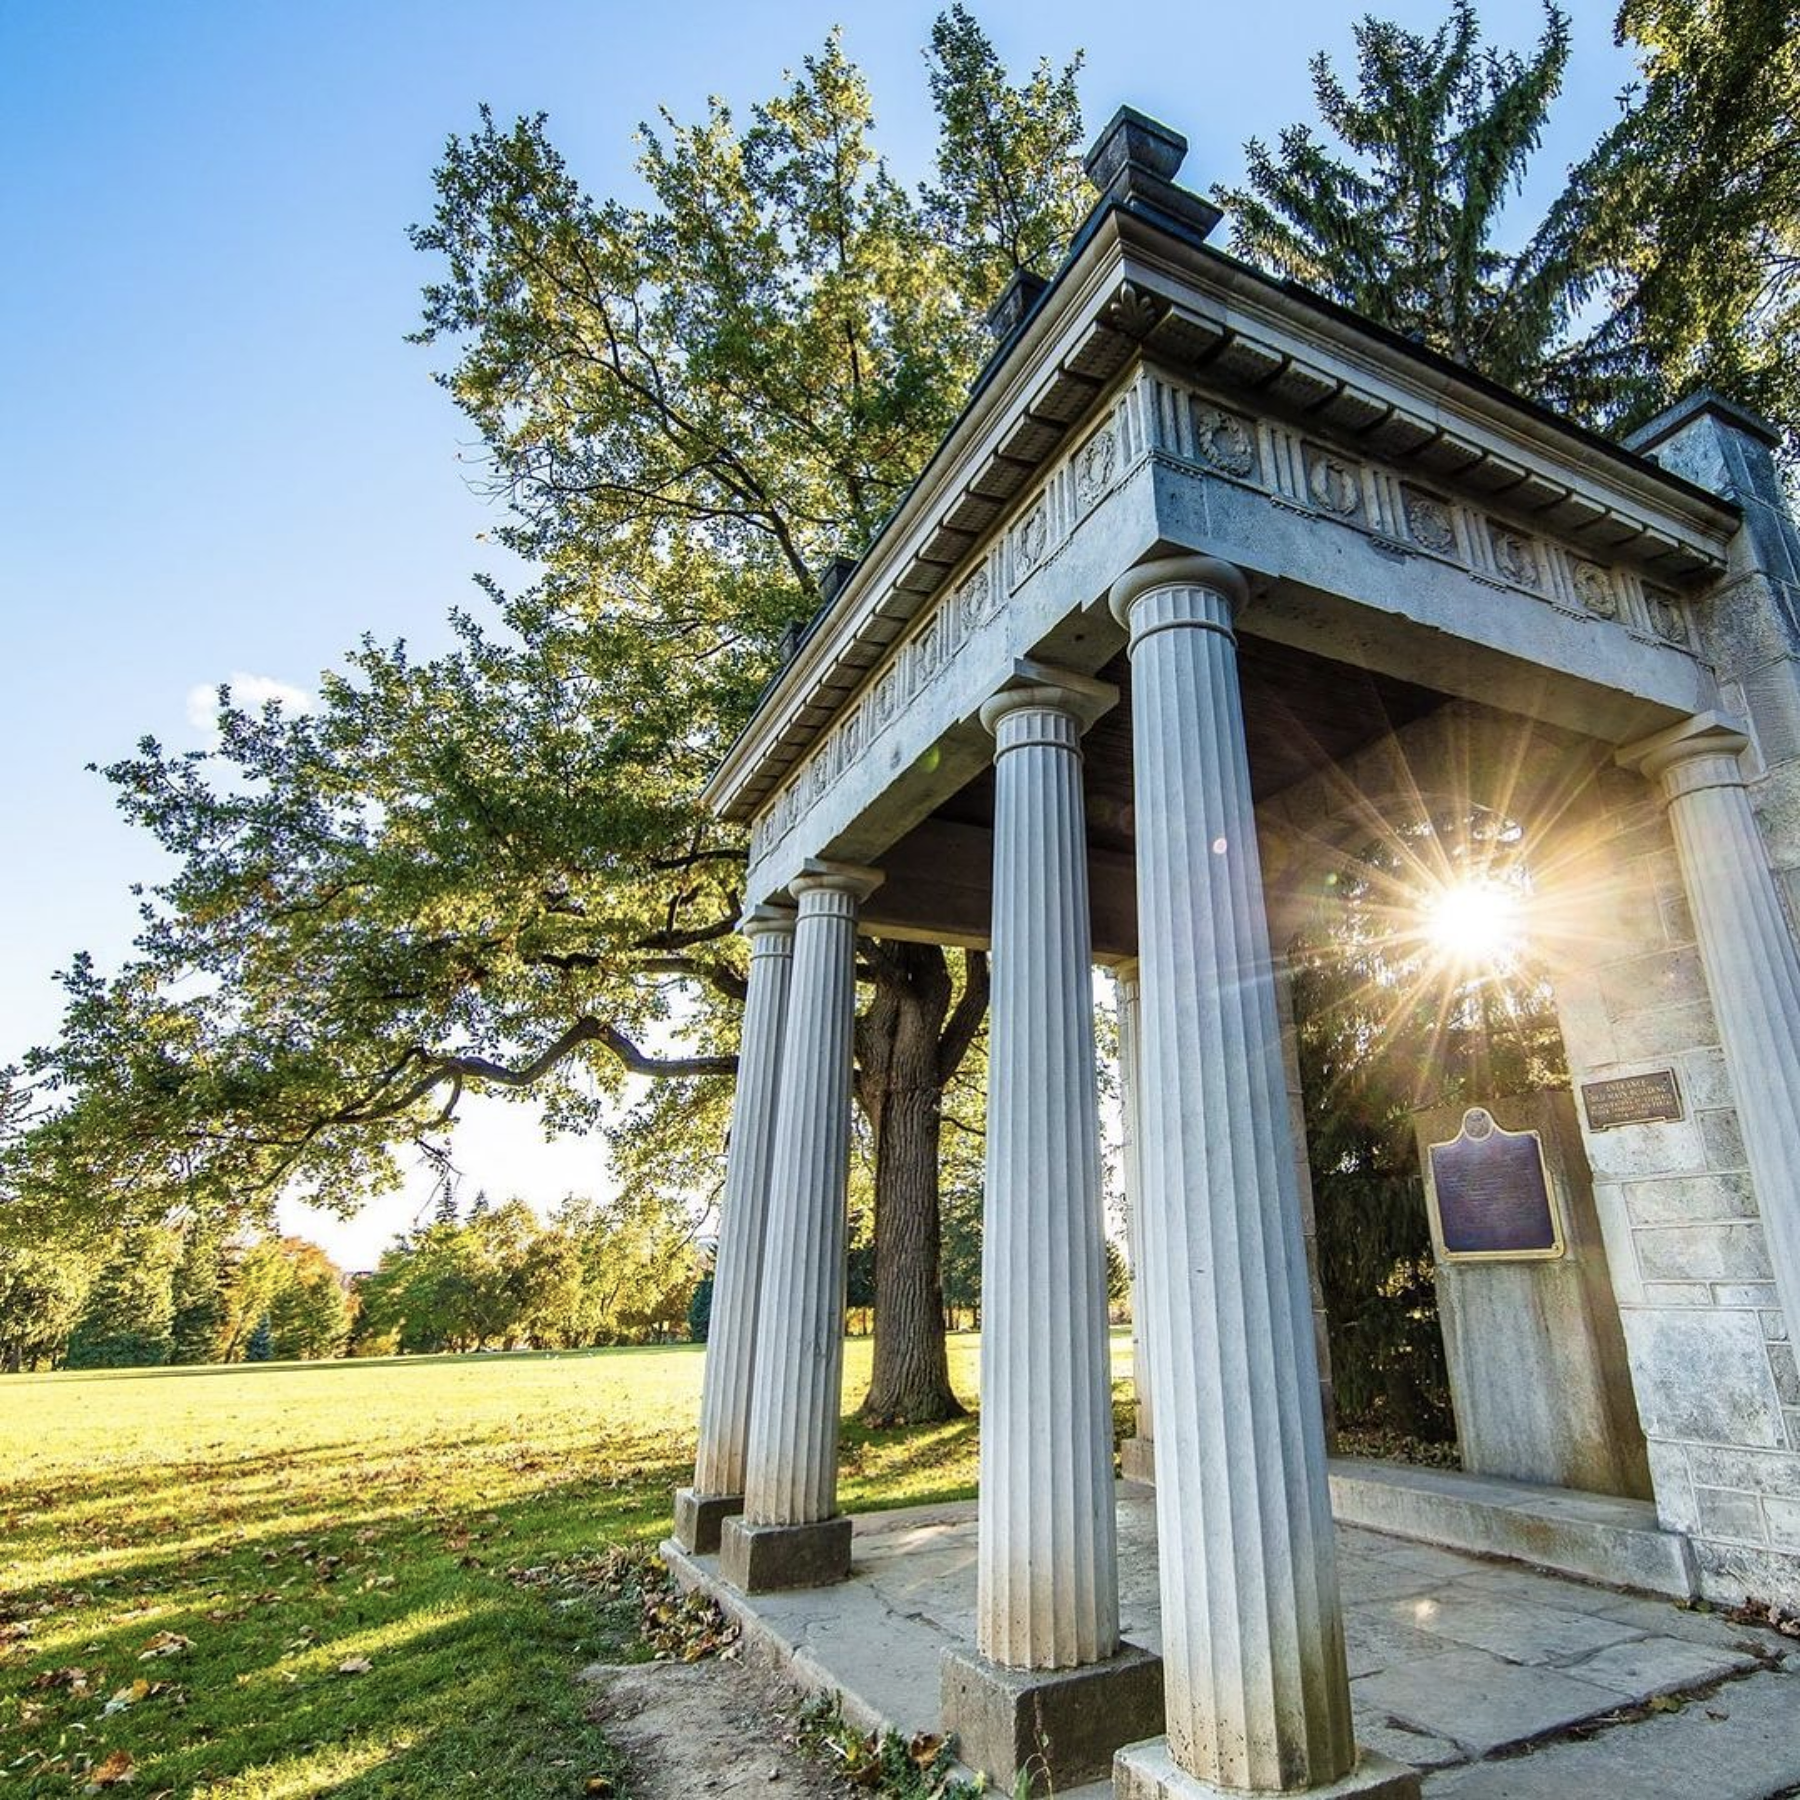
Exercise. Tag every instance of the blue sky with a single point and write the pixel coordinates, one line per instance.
(220, 456)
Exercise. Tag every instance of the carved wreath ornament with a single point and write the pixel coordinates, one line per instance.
(1034, 540)
(1094, 467)
(975, 594)
(1223, 441)
(1333, 484)
(1666, 617)
(1594, 589)
(1513, 557)
(1428, 520)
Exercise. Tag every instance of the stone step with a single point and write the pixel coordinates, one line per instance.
(1597, 1537)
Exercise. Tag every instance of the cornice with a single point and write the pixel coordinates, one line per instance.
(1135, 292)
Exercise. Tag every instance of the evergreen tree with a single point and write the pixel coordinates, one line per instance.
(699, 1318)
(43, 1289)
(1695, 210)
(1405, 228)
(261, 1345)
(200, 1313)
(126, 1320)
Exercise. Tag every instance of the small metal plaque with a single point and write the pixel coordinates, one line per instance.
(1650, 1099)
(1491, 1193)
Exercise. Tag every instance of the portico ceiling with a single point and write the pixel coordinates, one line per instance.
(1303, 713)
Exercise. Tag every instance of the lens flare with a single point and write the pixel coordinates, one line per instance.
(1476, 923)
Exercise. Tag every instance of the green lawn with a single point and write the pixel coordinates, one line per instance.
(267, 1526)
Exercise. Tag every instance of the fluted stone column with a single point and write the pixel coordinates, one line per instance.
(790, 1533)
(718, 1489)
(1047, 1593)
(1752, 965)
(1137, 1455)
(1256, 1690)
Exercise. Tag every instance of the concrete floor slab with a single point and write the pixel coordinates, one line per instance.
(1739, 1744)
(1478, 1700)
(1651, 1666)
(1519, 1630)
(1452, 1657)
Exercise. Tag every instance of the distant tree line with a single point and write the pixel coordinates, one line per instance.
(598, 1272)
(154, 1295)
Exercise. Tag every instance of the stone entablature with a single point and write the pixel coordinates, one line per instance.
(1413, 446)
(1498, 542)
(1201, 433)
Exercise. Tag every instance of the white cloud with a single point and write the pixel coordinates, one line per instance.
(247, 691)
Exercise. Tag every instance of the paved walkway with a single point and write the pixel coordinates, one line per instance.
(1473, 1671)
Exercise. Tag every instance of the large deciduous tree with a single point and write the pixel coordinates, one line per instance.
(487, 869)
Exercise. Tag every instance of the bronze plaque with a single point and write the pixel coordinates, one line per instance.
(1491, 1195)
(1651, 1099)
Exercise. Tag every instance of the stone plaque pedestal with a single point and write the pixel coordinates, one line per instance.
(1063, 1725)
(761, 1558)
(1535, 1351)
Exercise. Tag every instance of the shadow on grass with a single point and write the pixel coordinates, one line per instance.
(469, 1688)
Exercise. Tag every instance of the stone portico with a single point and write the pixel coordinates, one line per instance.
(1210, 580)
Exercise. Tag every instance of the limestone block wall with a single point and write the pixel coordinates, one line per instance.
(1712, 1357)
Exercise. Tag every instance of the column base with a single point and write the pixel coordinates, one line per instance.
(761, 1559)
(1137, 1460)
(1062, 1724)
(699, 1516)
(1149, 1772)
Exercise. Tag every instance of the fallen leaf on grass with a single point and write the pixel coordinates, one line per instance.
(165, 1643)
(355, 1665)
(114, 1772)
(598, 1784)
(75, 1680)
(126, 1696)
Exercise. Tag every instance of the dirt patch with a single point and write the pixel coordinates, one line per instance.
(717, 1727)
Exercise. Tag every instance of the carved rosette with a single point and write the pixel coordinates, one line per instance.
(1513, 556)
(1666, 617)
(1223, 442)
(1594, 589)
(1032, 541)
(1428, 520)
(1094, 467)
(1332, 483)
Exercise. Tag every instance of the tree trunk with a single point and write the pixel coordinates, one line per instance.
(905, 1054)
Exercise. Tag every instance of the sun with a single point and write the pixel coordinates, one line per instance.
(1475, 923)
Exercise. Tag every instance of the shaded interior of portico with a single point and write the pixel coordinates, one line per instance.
(1316, 728)
(1303, 713)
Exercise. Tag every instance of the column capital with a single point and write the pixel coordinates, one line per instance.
(1043, 687)
(817, 876)
(1699, 752)
(1125, 972)
(1204, 574)
(768, 927)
